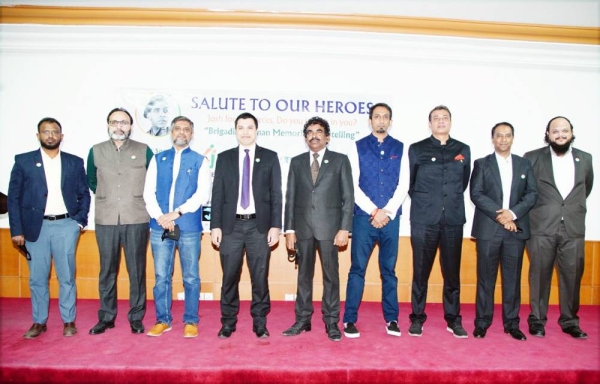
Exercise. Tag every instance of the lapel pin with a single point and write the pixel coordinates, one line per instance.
(257, 160)
(38, 164)
(522, 176)
(326, 161)
(164, 158)
(433, 159)
(382, 153)
(577, 159)
(133, 157)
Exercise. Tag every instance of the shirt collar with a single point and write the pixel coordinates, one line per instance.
(500, 158)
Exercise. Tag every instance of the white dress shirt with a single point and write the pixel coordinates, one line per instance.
(55, 204)
(564, 172)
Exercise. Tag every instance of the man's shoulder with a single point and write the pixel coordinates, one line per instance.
(70, 157)
(421, 143)
(535, 153)
(580, 153)
(27, 155)
(460, 143)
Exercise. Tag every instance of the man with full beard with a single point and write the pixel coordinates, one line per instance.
(48, 205)
(116, 172)
(564, 177)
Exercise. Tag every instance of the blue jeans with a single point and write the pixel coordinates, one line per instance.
(164, 260)
(57, 241)
(364, 236)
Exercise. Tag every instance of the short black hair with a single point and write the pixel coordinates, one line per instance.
(119, 109)
(384, 105)
(512, 129)
(440, 108)
(246, 115)
(317, 120)
(50, 120)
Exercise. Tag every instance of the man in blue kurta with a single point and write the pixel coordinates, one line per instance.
(177, 185)
(380, 175)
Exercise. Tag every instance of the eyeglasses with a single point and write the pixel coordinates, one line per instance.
(116, 123)
(50, 133)
(178, 129)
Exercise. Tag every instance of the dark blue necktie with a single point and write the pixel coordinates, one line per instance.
(245, 201)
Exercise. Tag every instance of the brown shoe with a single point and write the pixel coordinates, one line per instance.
(158, 329)
(35, 330)
(190, 330)
(70, 329)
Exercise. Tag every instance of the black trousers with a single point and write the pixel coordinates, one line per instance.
(568, 255)
(425, 240)
(245, 236)
(506, 250)
(330, 303)
(134, 240)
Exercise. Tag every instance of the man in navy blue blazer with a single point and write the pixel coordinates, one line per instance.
(48, 205)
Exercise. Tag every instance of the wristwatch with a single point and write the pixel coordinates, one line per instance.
(178, 210)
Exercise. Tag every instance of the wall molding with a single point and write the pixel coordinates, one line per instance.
(257, 19)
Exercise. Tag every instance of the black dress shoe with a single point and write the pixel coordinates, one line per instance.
(101, 327)
(296, 329)
(479, 332)
(261, 331)
(225, 332)
(516, 334)
(333, 332)
(575, 332)
(137, 326)
(537, 330)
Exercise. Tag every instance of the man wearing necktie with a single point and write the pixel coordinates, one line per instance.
(246, 215)
(318, 215)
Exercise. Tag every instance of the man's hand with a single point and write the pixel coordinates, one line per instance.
(504, 216)
(290, 241)
(18, 240)
(167, 221)
(216, 235)
(273, 236)
(380, 219)
(341, 238)
(511, 226)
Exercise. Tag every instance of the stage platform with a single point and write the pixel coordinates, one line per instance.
(118, 356)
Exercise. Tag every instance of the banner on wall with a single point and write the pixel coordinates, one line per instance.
(281, 117)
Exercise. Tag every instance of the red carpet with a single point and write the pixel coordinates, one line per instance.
(437, 357)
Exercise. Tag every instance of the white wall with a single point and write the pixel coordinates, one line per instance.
(75, 74)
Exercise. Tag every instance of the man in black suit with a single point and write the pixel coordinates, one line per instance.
(48, 206)
(440, 167)
(318, 215)
(246, 214)
(565, 177)
(503, 190)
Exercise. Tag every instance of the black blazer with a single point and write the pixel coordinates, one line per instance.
(550, 206)
(486, 194)
(319, 210)
(266, 189)
(28, 191)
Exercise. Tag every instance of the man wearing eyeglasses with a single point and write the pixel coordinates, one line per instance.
(116, 172)
(177, 185)
(48, 205)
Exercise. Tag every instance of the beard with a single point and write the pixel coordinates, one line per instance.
(180, 142)
(50, 146)
(119, 137)
(561, 149)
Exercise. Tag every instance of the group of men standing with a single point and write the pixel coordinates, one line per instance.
(538, 201)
